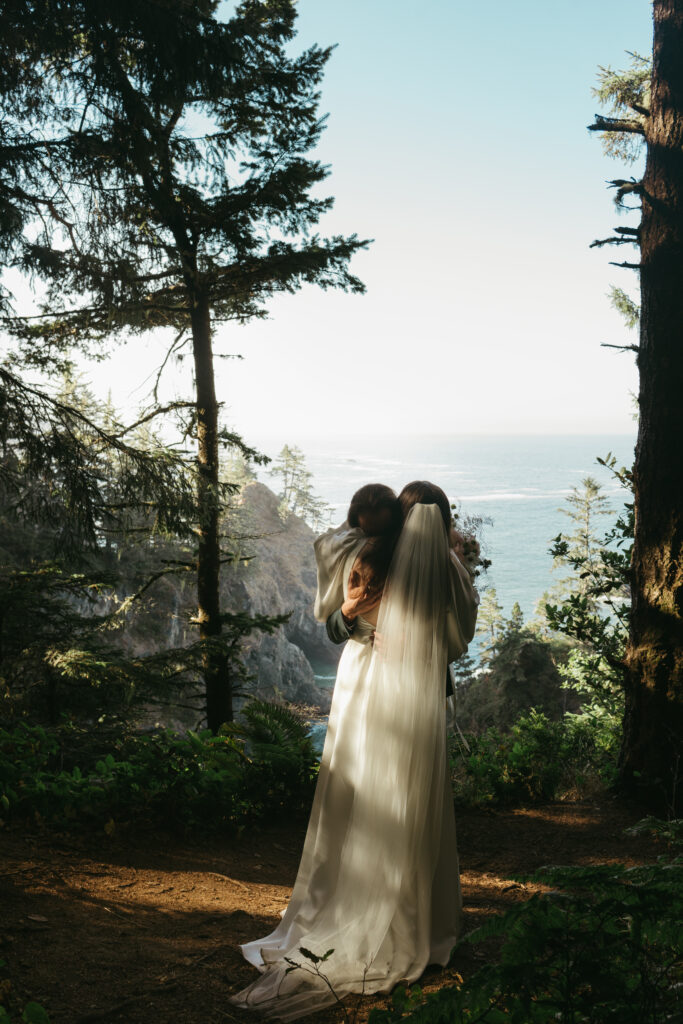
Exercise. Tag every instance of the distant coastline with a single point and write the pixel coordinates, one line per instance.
(520, 481)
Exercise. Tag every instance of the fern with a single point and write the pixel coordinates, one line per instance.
(271, 731)
(604, 947)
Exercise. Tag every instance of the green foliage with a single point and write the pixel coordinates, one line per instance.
(62, 468)
(625, 305)
(265, 767)
(581, 548)
(270, 731)
(471, 527)
(296, 495)
(32, 1013)
(604, 946)
(536, 760)
(625, 94)
(670, 831)
(522, 672)
(595, 613)
(97, 548)
(172, 164)
(516, 620)
(167, 185)
(490, 624)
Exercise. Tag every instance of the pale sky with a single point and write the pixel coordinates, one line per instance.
(457, 140)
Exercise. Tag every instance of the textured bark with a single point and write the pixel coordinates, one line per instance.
(215, 667)
(651, 752)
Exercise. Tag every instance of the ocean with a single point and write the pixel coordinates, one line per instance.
(519, 483)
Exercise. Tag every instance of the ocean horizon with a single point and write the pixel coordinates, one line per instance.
(518, 482)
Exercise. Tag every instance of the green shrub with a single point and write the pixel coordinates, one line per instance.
(536, 760)
(32, 1013)
(262, 768)
(605, 946)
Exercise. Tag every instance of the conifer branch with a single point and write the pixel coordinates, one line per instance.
(624, 188)
(129, 601)
(178, 342)
(613, 240)
(158, 411)
(617, 124)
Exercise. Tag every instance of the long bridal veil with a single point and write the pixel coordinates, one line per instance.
(378, 915)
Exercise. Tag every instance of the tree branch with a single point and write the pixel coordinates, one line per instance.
(614, 240)
(177, 344)
(159, 411)
(621, 348)
(616, 124)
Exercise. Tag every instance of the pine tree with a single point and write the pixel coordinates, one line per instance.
(490, 625)
(582, 547)
(650, 109)
(182, 199)
(297, 496)
(591, 606)
(464, 671)
(61, 583)
(516, 621)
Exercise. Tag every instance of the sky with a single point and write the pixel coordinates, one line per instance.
(457, 141)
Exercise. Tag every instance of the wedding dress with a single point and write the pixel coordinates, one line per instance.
(378, 881)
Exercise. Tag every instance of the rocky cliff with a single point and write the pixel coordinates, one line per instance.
(280, 578)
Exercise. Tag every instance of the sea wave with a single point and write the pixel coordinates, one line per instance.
(503, 496)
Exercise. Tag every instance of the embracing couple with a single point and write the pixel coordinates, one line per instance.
(378, 884)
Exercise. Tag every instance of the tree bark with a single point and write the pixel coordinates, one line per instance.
(214, 663)
(650, 762)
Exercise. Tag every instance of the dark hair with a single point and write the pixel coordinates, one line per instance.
(421, 492)
(372, 565)
(369, 502)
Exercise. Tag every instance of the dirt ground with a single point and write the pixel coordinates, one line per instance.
(146, 928)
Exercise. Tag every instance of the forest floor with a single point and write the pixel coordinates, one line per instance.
(137, 928)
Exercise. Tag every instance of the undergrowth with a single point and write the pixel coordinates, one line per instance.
(603, 946)
(537, 760)
(263, 767)
(266, 766)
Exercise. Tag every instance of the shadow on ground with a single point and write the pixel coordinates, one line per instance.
(147, 927)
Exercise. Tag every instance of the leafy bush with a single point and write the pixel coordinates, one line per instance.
(605, 946)
(32, 1013)
(264, 767)
(521, 671)
(537, 760)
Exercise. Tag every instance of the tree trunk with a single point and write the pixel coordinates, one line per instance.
(214, 663)
(650, 762)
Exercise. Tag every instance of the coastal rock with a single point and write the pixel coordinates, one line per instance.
(280, 578)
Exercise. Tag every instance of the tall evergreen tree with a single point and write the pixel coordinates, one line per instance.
(184, 199)
(490, 625)
(653, 109)
(297, 496)
(516, 621)
(583, 546)
(591, 606)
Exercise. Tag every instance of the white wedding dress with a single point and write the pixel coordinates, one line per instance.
(378, 881)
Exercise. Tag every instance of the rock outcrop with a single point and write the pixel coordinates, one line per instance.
(278, 579)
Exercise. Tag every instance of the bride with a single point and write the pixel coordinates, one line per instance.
(378, 881)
